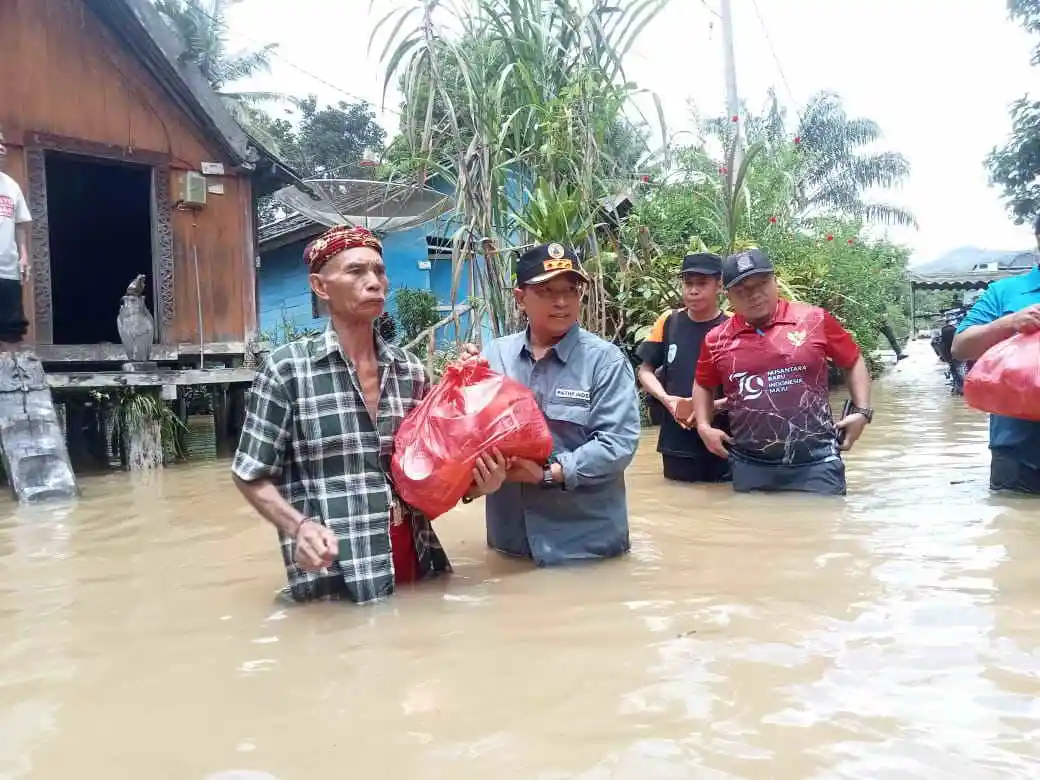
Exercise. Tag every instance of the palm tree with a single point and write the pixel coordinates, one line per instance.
(833, 170)
(837, 170)
(203, 29)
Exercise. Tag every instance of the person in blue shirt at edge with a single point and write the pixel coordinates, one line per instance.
(572, 507)
(1008, 306)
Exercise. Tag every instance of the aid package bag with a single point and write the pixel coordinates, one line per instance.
(1006, 379)
(471, 411)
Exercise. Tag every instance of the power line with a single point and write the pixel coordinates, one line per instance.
(776, 58)
(711, 10)
(290, 63)
(329, 84)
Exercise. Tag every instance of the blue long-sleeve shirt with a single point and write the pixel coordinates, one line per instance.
(586, 388)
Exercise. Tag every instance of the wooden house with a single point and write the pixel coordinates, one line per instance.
(131, 164)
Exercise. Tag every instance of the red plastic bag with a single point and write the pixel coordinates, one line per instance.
(1006, 379)
(472, 410)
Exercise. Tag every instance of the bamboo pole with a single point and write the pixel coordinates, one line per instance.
(432, 330)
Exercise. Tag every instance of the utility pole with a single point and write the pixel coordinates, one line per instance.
(732, 100)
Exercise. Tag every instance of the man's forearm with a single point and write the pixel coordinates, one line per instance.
(22, 237)
(264, 497)
(971, 343)
(858, 380)
(648, 379)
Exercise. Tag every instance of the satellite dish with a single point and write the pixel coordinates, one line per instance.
(383, 207)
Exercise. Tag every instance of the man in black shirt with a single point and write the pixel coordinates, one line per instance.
(673, 347)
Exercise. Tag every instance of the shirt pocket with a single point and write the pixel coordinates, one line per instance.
(568, 423)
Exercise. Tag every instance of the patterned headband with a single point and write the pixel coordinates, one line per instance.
(335, 240)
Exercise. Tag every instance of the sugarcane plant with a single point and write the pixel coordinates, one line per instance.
(514, 103)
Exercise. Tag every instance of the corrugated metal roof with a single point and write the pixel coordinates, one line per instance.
(286, 226)
(969, 280)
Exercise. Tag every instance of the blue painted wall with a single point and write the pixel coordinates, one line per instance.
(285, 292)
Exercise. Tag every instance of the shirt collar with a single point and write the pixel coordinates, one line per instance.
(563, 348)
(1033, 279)
(328, 343)
(782, 316)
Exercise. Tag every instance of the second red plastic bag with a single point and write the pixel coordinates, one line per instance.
(1006, 379)
(471, 411)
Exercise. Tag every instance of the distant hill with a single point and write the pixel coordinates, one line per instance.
(967, 257)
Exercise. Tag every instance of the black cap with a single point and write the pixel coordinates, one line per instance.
(547, 261)
(736, 268)
(702, 263)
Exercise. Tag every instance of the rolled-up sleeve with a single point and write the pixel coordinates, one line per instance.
(987, 309)
(265, 432)
(614, 426)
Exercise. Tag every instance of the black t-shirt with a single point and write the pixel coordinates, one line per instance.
(674, 343)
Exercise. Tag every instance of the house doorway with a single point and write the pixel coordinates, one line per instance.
(99, 216)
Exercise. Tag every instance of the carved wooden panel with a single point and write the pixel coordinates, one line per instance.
(162, 252)
(36, 171)
(162, 240)
(84, 148)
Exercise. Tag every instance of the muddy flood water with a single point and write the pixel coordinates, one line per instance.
(891, 634)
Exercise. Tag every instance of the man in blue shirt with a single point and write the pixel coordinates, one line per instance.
(1009, 306)
(573, 507)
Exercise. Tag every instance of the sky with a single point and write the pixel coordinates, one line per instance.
(938, 76)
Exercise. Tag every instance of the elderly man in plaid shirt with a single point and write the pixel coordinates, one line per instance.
(314, 457)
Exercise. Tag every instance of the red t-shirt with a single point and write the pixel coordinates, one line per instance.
(776, 380)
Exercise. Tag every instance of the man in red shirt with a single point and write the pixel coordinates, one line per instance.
(770, 359)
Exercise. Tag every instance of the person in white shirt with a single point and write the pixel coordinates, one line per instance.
(14, 256)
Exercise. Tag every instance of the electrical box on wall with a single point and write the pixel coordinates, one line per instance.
(191, 189)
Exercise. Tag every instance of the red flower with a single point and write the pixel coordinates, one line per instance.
(797, 139)
(772, 220)
(830, 237)
(851, 242)
(734, 118)
(645, 178)
(723, 170)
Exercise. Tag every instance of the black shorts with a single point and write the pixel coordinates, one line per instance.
(1006, 472)
(826, 479)
(705, 468)
(13, 324)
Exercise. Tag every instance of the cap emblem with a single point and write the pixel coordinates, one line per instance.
(745, 263)
(558, 265)
(556, 251)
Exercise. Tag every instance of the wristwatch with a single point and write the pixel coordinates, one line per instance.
(868, 413)
(547, 476)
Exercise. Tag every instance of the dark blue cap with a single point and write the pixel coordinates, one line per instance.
(546, 261)
(736, 268)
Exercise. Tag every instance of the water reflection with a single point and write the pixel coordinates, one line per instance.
(892, 634)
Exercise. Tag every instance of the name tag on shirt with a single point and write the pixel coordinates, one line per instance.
(573, 395)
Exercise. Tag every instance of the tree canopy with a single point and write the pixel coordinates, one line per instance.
(203, 29)
(1015, 166)
(325, 142)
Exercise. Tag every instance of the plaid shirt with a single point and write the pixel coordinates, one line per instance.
(307, 429)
